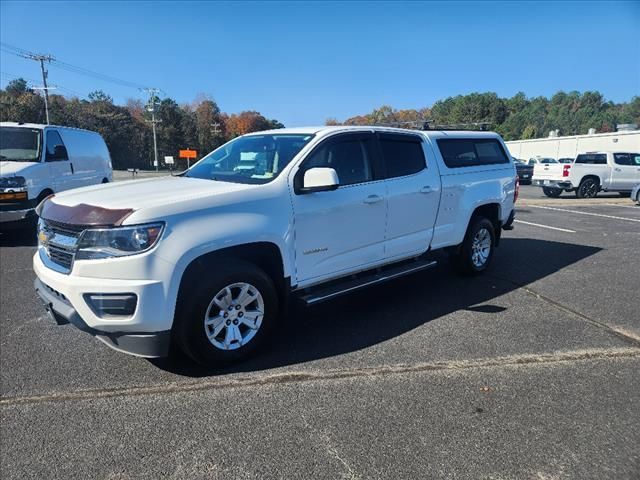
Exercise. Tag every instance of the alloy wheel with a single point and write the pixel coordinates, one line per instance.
(234, 316)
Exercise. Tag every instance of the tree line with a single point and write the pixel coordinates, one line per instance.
(518, 117)
(200, 125)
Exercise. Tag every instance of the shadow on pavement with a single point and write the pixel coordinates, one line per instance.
(368, 317)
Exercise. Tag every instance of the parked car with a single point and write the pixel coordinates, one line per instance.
(524, 171)
(208, 259)
(39, 160)
(541, 161)
(589, 174)
(635, 194)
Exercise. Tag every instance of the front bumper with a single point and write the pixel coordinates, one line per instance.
(149, 324)
(564, 184)
(143, 344)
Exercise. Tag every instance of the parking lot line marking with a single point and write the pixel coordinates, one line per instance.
(618, 205)
(588, 213)
(545, 226)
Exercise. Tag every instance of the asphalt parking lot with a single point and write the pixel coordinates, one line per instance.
(528, 372)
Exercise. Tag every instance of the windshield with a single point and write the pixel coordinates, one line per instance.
(20, 144)
(251, 159)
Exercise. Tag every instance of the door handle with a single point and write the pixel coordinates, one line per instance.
(373, 199)
(618, 169)
(426, 189)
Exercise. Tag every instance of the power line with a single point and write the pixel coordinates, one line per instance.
(34, 82)
(20, 52)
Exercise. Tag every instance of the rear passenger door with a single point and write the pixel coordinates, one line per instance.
(413, 194)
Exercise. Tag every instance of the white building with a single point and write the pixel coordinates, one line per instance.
(569, 147)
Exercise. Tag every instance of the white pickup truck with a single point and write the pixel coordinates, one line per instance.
(589, 174)
(208, 260)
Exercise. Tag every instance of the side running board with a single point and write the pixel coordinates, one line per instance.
(321, 293)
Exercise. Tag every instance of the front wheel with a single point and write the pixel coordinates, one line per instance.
(476, 251)
(228, 316)
(588, 188)
(551, 192)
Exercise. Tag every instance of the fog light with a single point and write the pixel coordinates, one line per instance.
(106, 305)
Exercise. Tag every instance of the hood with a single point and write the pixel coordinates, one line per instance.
(151, 192)
(112, 203)
(11, 169)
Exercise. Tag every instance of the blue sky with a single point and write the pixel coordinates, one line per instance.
(304, 62)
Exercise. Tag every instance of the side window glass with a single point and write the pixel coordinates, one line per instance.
(471, 152)
(402, 157)
(623, 159)
(532, 162)
(56, 150)
(349, 158)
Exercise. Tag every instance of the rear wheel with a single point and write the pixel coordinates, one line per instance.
(227, 316)
(588, 188)
(552, 192)
(476, 251)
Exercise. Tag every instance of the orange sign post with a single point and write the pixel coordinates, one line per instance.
(188, 154)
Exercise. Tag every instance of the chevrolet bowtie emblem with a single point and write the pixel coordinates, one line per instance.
(42, 237)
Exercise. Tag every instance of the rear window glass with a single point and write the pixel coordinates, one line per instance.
(592, 158)
(402, 156)
(461, 152)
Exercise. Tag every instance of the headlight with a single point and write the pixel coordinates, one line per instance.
(118, 241)
(12, 182)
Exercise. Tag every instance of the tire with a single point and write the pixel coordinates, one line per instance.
(588, 188)
(217, 297)
(470, 259)
(552, 192)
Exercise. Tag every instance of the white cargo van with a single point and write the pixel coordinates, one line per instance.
(39, 160)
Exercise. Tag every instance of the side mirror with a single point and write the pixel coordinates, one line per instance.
(319, 179)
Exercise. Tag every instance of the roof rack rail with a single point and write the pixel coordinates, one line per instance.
(431, 125)
(472, 126)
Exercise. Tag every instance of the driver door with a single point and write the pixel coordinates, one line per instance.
(340, 231)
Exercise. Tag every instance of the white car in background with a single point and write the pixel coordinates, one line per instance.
(39, 160)
(590, 173)
(541, 161)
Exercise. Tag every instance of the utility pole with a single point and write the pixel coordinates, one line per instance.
(151, 107)
(45, 74)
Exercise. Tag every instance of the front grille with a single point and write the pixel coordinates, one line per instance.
(62, 257)
(65, 229)
(61, 243)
